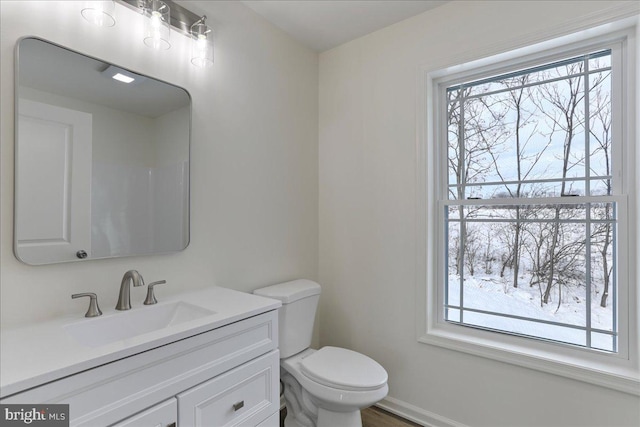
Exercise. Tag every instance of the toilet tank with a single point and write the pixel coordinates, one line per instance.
(296, 316)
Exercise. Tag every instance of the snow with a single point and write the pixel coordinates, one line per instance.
(497, 294)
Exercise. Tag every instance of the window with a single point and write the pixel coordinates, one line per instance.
(530, 214)
(529, 191)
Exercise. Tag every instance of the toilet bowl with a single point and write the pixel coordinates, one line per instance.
(325, 387)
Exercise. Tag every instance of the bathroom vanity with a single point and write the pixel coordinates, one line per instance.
(207, 358)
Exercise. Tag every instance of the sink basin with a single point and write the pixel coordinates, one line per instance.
(132, 323)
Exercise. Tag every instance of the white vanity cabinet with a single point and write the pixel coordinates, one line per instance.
(226, 376)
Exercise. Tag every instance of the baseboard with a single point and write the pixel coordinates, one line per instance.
(415, 414)
(409, 412)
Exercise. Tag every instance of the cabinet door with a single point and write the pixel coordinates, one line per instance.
(244, 396)
(161, 415)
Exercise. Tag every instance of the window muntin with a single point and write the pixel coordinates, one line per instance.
(529, 160)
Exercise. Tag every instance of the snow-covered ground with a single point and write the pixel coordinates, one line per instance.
(496, 294)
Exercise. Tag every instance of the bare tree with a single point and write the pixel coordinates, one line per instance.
(564, 98)
(600, 135)
(525, 163)
(561, 260)
(472, 135)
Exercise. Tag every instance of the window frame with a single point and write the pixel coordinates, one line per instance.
(619, 370)
(618, 181)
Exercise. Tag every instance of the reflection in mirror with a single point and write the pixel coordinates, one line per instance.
(102, 159)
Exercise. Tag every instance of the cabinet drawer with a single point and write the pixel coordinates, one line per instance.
(161, 415)
(244, 396)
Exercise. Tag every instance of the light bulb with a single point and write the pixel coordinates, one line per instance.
(201, 44)
(156, 19)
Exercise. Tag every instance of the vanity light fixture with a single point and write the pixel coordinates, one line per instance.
(100, 13)
(202, 47)
(160, 16)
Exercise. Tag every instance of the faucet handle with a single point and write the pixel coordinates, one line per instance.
(151, 298)
(93, 310)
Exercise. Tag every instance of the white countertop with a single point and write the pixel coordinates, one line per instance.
(40, 353)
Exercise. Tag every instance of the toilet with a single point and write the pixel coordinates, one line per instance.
(325, 387)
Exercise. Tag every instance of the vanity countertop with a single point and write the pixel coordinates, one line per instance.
(36, 354)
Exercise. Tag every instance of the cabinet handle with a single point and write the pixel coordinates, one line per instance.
(239, 405)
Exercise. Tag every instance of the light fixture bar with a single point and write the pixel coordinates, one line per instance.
(181, 19)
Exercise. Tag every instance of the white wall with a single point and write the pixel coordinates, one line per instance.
(170, 189)
(254, 187)
(367, 151)
(168, 129)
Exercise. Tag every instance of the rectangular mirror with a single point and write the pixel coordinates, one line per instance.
(101, 159)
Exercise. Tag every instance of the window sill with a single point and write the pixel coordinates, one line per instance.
(602, 369)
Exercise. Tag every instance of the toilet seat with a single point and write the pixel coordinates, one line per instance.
(343, 369)
(330, 397)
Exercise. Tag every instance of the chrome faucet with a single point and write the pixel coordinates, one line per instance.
(124, 300)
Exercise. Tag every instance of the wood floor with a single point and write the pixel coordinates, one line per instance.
(376, 417)
(372, 417)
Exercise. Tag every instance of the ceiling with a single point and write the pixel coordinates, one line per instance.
(325, 24)
(49, 68)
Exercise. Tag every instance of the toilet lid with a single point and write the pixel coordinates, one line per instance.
(344, 369)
